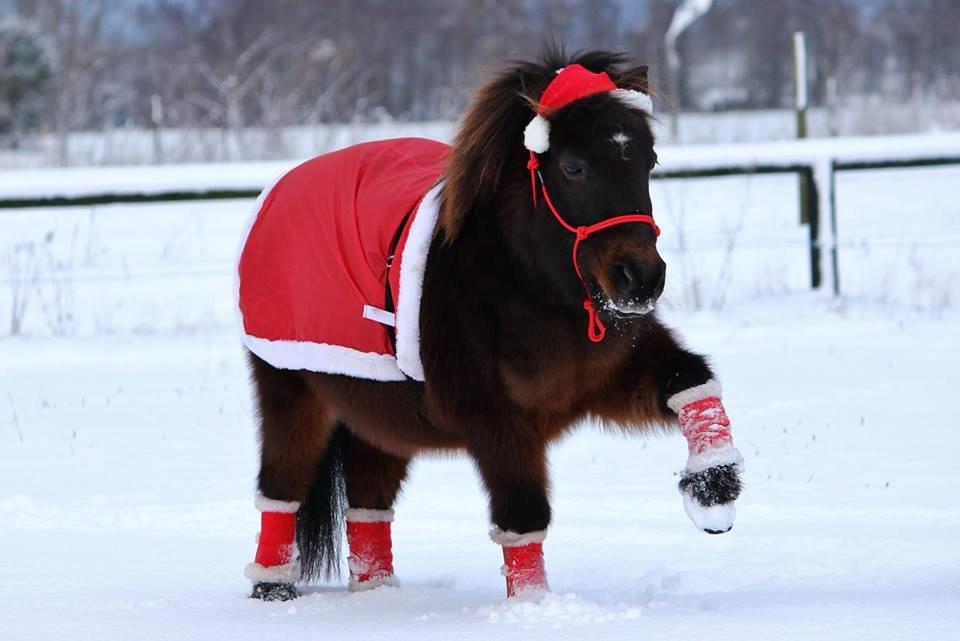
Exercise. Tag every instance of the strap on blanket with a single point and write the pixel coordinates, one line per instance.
(388, 303)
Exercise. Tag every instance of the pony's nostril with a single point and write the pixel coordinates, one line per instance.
(624, 276)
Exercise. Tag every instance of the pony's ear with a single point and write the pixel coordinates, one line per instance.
(635, 78)
(489, 143)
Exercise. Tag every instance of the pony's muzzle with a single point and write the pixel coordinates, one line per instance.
(636, 283)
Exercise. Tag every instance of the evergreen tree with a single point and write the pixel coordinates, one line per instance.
(26, 72)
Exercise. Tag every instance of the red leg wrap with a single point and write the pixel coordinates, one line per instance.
(277, 533)
(705, 425)
(524, 569)
(371, 553)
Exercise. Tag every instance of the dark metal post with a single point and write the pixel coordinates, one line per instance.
(834, 239)
(800, 106)
(811, 213)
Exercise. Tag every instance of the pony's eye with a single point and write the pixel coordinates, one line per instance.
(572, 169)
(654, 161)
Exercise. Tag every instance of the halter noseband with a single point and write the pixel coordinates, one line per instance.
(572, 83)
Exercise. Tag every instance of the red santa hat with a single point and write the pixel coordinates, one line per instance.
(572, 83)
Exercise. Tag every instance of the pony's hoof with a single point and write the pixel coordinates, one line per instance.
(709, 531)
(274, 592)
(709, 495)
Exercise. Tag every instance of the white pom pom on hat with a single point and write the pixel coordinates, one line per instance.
(536, 137)
(572, 83)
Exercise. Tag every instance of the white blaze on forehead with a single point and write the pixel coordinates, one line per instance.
(621, 139)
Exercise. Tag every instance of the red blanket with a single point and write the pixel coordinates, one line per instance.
(315, 264)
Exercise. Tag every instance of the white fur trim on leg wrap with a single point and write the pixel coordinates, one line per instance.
(265, 504)
(693, 394)
(509, 539)
(356, 585)
(724, 455)
(363, 515)
(286, 573)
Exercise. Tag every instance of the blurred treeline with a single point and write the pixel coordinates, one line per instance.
(257, 63)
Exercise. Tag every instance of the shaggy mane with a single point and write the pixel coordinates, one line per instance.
(488, 149)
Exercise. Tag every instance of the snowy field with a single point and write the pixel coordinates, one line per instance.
(128, 451)
(127, 467)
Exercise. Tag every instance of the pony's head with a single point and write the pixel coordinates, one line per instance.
(544, 154)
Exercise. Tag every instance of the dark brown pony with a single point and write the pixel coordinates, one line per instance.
(508, 364)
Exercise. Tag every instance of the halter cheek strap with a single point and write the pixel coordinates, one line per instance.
(595, 327)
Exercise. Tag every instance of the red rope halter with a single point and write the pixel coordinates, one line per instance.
(595, 327)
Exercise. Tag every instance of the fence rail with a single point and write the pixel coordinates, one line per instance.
(815, 162)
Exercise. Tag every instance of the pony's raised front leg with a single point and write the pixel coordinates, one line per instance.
(711, 480)
(514, 471)
(373, 479)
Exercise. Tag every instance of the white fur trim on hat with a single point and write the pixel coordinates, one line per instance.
(286, 573)
(634, 99)
(265, 504)
(536, 137)
(509, 539)
(363, 515)
(693, 394)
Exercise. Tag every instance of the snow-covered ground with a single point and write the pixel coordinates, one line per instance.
(167, 266)
(128, 448)
(127, 466)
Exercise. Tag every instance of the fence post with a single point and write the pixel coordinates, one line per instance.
(834, 239)
(800, 106)
(811, 212)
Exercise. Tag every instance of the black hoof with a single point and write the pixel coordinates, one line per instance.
(708, 531)
(274, 592)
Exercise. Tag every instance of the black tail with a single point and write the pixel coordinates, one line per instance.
(320, 519)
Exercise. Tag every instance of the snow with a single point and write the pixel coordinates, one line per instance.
(127, 465)
(128, 442)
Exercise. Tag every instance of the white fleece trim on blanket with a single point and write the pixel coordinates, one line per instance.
(509, 539)
(413, 266)
(363, 515)
(265, 504)
(323, 357)
(693, 394)
(286, 573)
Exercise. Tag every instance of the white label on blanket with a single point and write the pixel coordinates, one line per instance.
(379, 315)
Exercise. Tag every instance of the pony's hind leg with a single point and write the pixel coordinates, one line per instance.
(295, 428)
(373, 480)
